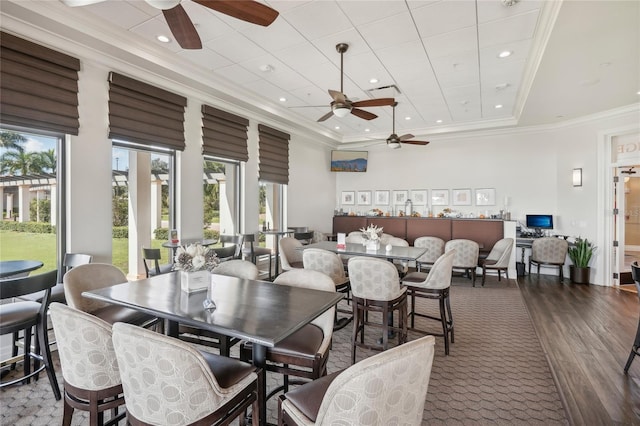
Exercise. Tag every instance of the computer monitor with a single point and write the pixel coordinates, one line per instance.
(540, 221)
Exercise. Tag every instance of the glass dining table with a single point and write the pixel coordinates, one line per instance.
(257, 311)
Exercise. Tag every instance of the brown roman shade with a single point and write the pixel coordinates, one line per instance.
(274, 155)
(38, 86)
(224, 134)
(145, 114)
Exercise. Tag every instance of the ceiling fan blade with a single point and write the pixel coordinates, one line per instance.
(416, 142)
(324, 117)
(338, 96)
(374, 102)
(363, 114)
(75, 3)
(182, 28)
(407, 136)
(246, 10)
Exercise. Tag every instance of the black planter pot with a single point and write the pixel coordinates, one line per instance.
(579, 275)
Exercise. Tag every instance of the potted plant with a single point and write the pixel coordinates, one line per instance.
(580, 254)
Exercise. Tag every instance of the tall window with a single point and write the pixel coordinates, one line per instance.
(271, 204)
(31, 197)
(221, 197)
(142, 201)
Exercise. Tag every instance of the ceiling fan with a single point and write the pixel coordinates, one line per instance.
(183, 29)
(394, 140)
(341, 106)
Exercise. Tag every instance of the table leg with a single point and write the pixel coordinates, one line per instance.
(277, 257)
(259, 354)
(171, 328)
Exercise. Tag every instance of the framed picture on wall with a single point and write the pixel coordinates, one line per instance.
(485, 197)
(439, 197)
(461, 197)
(400, 197)
(348, 197)
(364, 198)
(419, 197)
(382, 198)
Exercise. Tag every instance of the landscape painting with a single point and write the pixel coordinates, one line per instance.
(349, 161)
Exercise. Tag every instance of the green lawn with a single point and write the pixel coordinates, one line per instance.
(42, 247)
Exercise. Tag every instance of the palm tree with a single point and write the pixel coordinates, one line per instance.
(18, 162)
(12, 140)
(46, 161)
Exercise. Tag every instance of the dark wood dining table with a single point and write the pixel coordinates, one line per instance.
(260, 312)
(10, 268)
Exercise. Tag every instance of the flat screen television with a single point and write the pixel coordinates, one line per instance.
(349, 161)
(540, 221)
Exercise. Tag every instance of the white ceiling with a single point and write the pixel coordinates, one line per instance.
(569, 58)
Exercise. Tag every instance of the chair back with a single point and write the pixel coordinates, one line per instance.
(234, 241)
(326, 262)
(225, 253)
(434, 246)
(165, 380)
(91, 276)
(238, 268)
(354, 237)
(307, 278)
(391, 387)
(289, 253)
(440, 274)
(549, 250)
(85, 349)
(374, 279)
(154, 255)
(500, 253)
(319, 236)
(20, 286)
(635, 274)
(466, 252)
(304, 237)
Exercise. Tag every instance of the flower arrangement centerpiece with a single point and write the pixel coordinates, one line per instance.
(371, 236)
(195, 264)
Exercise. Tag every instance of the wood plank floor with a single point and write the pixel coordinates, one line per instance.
(587, 332)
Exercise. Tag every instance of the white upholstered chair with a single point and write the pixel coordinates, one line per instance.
(549, 251)
(237, 268)
(435, 249)
(385, 389)
(290, 255)
(375, 287)
(168, 381)
(434, 285)
(498, 258)
(466, 258)
(89, 365)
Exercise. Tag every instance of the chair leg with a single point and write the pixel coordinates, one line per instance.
(67, 412)
(484, 274)
(473, 276)
(45, 351)
(27, 348)
(448, 305)
(561, 272)
(634, 350)
(443, 319)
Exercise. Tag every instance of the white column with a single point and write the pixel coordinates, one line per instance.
(226, 212)
(9, 206)
(139, 210)
(156, 204)
(24, 197)
(54, 203)
(1, 200)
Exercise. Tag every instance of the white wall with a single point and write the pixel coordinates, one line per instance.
(531, 166)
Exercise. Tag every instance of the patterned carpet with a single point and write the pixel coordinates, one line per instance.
(495, 374)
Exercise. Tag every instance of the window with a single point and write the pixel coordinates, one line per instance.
(221, 197)
(32, 196)
(271, 202)
(143, 188)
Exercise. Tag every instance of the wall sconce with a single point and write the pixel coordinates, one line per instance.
(577, 177)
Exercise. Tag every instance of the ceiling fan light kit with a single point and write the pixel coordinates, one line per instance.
(341, 111)
(394, 141)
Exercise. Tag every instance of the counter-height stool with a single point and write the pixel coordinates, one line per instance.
(466, 257)
(153, 256)
(548, 251)
(387, 388)
(435, 249)
(254, 252)
(375, 287)
(498, 259)
(290, 254)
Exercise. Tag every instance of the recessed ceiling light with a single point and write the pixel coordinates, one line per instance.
(283, 99)
(163, 39)
(367, 130)
(407, 118)
(373, 80)
(337, 127)
(638, 92)
(498, 106)
(505, 54)
(438, 121)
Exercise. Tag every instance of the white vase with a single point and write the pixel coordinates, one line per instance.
(372, 245)
(194, 281)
